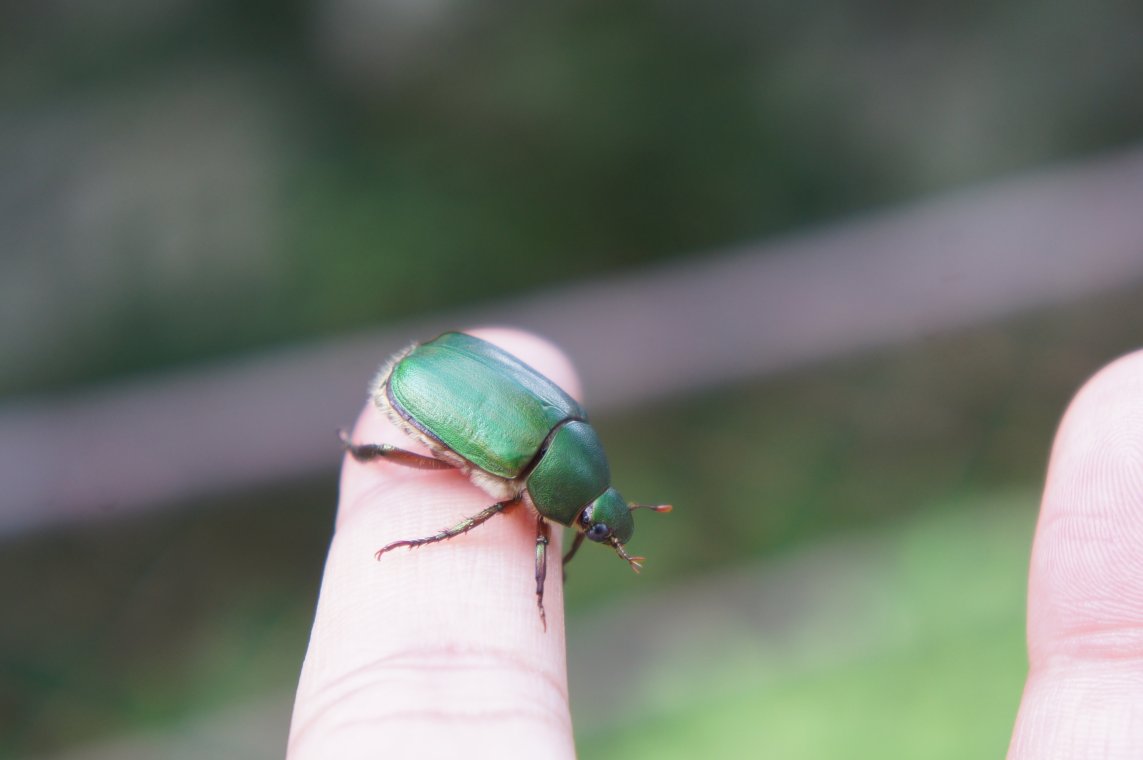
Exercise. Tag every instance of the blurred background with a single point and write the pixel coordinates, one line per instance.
(830, 272)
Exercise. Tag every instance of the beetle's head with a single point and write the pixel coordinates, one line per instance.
(608, 520)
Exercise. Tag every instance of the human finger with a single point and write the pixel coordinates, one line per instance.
(1084, 694)
(437, 651)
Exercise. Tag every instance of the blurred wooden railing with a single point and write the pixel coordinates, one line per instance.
(977, 255)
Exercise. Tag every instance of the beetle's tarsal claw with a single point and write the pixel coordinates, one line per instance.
(635, 562)
(393, 545)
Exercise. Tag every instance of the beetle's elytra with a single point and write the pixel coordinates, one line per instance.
(515, 434)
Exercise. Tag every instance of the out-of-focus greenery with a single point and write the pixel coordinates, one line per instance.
(198, 177)
(193, 178)
(933, 452)
(932, 668)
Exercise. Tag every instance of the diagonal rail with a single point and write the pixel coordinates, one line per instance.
(977, 255)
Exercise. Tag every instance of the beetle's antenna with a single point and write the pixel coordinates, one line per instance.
(635, 562)
(660, 508)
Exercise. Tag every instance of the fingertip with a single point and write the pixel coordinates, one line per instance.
(387, 502)
(1085, 595)
(1087, 563)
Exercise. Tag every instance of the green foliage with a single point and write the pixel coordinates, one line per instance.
(928, 662)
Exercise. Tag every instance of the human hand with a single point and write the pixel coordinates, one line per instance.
(437, 651)
(1084, 695)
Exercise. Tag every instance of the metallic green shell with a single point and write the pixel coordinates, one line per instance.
(479, 401)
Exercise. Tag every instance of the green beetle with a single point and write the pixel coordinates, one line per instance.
(515, 434)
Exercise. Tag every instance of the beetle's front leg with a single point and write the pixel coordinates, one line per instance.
(576, 542)
(543, 535)
(464, 526)
(367, 452)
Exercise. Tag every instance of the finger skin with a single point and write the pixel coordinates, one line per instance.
(436, 651)
(1084, 695)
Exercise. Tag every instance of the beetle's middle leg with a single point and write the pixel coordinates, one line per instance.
(463, 526)
(368, 452)
(543, 536)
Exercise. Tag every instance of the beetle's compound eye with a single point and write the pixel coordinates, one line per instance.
(599, 532)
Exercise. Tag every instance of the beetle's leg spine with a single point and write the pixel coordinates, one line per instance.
(463, 526)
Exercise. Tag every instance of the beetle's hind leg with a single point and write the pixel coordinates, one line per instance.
(368, 452)
(463, 526)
